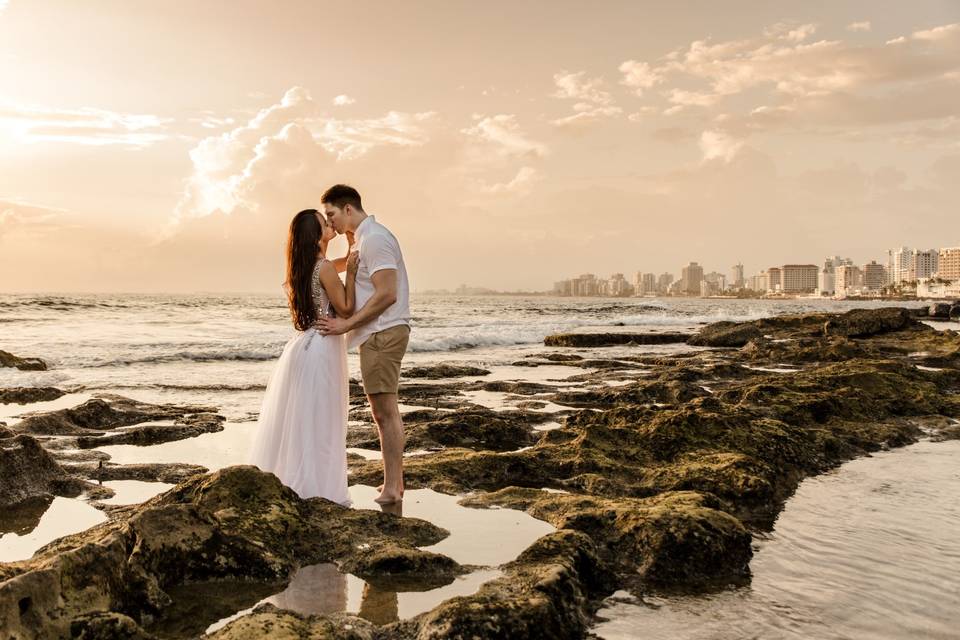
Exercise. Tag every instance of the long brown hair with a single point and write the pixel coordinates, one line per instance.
(302, 248)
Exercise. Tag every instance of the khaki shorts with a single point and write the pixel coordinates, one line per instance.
(380, 357)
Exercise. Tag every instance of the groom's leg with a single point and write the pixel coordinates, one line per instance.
(386, 413)
(380, 359)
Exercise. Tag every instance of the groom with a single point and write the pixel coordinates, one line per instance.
(380, 326)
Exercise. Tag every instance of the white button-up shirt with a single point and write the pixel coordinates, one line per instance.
(379, 250)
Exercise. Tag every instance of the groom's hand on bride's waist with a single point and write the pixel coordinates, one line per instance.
(333, 326)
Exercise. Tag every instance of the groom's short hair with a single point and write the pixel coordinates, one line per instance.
(340, 195)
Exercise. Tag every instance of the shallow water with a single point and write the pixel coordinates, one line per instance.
(482, 537)
(63, 517)
(870, 550)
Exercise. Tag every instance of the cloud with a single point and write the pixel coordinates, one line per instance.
(521, 182)
(719, 145)
(578, 87)
(228, 168)
(693, 98)
(26, 218)
(501, 135)
(593, 103)
(639, 76)
(784, 60)
(87, 126)
(859, 26)
(343, 100)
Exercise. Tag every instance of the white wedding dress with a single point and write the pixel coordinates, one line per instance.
(302, 429)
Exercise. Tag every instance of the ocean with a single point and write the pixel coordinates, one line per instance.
(219, 349)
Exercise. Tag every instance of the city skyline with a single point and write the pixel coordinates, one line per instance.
(833, 275)
(500, 148)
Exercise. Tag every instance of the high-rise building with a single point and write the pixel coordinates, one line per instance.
(948, 264)
(586, 285)
(736, 277)
(664, 282)
(899, 263)
(874, 276)
(760, 282)
(774, 279)
(563, 288)
(618, 286)
(924, 264)
(717, 281)
(849, 278)
(709, 287)
(799, 278)
(827, 284)
(645, 284)
(690, 278)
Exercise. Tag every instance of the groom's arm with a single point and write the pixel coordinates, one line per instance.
(384, 295)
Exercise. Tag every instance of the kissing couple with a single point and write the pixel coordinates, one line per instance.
(302, 429)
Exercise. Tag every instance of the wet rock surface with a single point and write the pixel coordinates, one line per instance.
(655, 475)
(445, 370)
(7, 359)
(236, 523)
(613, 339)
(26, 395)
(103, 413)
(27, 471)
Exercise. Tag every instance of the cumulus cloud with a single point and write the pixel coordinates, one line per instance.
(639, 76)
(783, 59)
(593, 103)
(859, 26)
(786, 79)
(501, 134)
(343, 100)
(292, 136)
(87, 126)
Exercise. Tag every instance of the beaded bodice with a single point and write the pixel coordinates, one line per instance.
(321, 301)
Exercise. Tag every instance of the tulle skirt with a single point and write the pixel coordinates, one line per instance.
(302, 429)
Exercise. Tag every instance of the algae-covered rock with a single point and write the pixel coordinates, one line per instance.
(445, 370)
(939, 310)
(27, 471)
(546, 593)
(237, 522)
(187, 427)
(613, 339)
(267, 621)
(725, 334)
(389, 561)
(7, 359)
(26, 395)
(868, 322)
(104, 412)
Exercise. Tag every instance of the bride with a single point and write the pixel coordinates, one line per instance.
(301, 432)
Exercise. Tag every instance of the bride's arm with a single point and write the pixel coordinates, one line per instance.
(342, 298)
(341, 263)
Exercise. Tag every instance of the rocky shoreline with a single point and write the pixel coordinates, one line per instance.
(655, 471)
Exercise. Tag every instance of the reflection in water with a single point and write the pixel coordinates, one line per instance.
(63, 517)
(867, 551)
(485, 537)
(24, 517)
(322, 588)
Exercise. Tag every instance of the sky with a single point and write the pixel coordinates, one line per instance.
(165, 146)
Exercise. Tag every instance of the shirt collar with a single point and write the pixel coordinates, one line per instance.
(364, 226)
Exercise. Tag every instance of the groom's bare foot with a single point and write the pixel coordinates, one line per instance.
(386, 497)
(380, 489)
